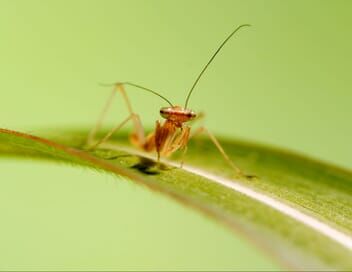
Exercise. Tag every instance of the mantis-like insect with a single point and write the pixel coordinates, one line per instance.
(169, 136)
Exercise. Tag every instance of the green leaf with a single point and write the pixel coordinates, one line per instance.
(298, 210)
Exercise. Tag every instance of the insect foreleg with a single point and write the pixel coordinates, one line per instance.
(183, 143)
(178, 142)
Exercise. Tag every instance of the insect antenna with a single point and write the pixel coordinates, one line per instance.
(211, 59)
(139, 87)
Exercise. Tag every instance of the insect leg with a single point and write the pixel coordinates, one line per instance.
(112, 131)
(177, 142)
(219, 147)
(101, 117)
(137, 136)
(183, 143)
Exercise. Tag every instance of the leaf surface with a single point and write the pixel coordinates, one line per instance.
(298, 210)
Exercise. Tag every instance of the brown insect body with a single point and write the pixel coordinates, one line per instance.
(170, 135)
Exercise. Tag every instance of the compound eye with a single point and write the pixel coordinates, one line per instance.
(164, 113)
(191, 115)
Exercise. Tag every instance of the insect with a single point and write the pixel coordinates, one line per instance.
(170, 135)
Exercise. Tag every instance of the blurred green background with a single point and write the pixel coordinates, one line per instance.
(285, 81)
